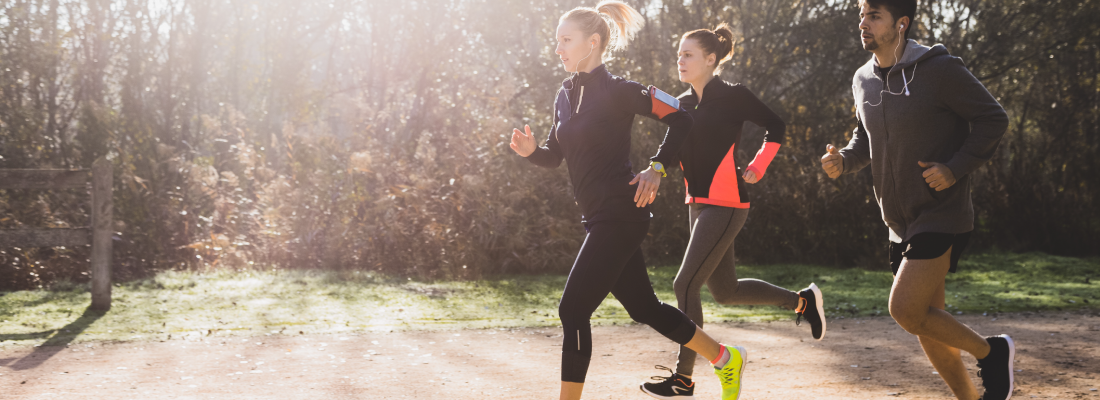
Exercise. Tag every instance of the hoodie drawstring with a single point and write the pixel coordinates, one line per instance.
(905, 83)
(886, 86)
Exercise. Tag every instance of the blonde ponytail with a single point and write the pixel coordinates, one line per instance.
(626, 19)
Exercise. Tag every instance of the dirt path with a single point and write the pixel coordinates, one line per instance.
(863, 358)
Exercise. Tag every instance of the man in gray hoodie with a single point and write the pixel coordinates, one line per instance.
(923, 136)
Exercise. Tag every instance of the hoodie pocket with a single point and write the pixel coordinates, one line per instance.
(949, 193)
(936, 196)
(915, 196)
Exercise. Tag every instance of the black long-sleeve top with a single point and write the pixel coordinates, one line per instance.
(707, 158)
(593, 115)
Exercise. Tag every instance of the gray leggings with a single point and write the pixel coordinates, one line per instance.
(709, 259)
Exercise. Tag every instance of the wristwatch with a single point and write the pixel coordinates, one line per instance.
(657, 166)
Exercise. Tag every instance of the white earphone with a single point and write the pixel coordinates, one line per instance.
(905, 82)
(903, 70)
(591, 48)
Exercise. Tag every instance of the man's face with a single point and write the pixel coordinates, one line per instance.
(877, 27)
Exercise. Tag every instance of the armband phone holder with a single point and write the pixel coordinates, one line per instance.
(663, 103)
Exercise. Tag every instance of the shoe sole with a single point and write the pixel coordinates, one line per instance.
(1011, 365)
(820, 304)
(741, 372)
(657, 396)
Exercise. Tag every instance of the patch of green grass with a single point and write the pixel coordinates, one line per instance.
(984, 283)
(190, 305)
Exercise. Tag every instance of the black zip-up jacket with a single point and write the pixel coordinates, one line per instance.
(593, 115)
(710, 171)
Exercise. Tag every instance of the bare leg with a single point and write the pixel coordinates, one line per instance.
(571, 390)
(703, 344)
(947, 359)
(916, 303)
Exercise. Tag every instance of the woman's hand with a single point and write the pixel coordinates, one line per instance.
(750, 177)
(648, 181)
(523, 143)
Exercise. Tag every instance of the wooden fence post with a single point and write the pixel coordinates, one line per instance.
(98, 235)
(102, 211)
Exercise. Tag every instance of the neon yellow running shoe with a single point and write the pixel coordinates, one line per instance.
(730, 375)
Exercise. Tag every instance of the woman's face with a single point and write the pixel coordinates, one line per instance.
(692, 62)
(575, 50)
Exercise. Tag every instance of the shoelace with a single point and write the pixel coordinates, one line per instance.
(726, 376)
(661, 378)
(801, 310)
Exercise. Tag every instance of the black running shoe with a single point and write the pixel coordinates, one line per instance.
(813, 309)
(675, 387)
(996, 368)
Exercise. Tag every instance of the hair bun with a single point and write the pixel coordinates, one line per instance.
(718, 42)
(725, 42)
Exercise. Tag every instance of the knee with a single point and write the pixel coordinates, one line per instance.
(727, 294)
(910, 318)
(646, 318)
(666, 320)
(568, 315)
(682, 286)
(688, 288)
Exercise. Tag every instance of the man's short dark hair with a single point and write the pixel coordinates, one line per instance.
(897, 9)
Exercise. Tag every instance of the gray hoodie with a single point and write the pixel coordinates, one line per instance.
(947, 116)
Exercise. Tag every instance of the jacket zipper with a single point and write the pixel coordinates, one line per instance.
(579, 101)
(891, 163)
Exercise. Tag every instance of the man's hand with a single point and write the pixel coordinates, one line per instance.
(937, 175)
(832, 162)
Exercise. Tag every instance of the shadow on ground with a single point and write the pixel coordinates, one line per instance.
(57, 340)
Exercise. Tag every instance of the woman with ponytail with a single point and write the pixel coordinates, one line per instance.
(716, 197)
(593, 115)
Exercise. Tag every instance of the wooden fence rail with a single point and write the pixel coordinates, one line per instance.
(98, 234)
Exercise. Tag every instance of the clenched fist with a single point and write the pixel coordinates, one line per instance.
(832, 162)
(938, 176)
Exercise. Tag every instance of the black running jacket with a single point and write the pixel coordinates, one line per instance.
(593, 115)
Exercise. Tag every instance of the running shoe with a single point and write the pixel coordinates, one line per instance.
(813, 309)
(730, 375)
(675, 387)
(996, 368)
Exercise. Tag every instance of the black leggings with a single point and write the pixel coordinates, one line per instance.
(610, 261)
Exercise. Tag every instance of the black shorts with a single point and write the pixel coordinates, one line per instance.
(927, 246)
